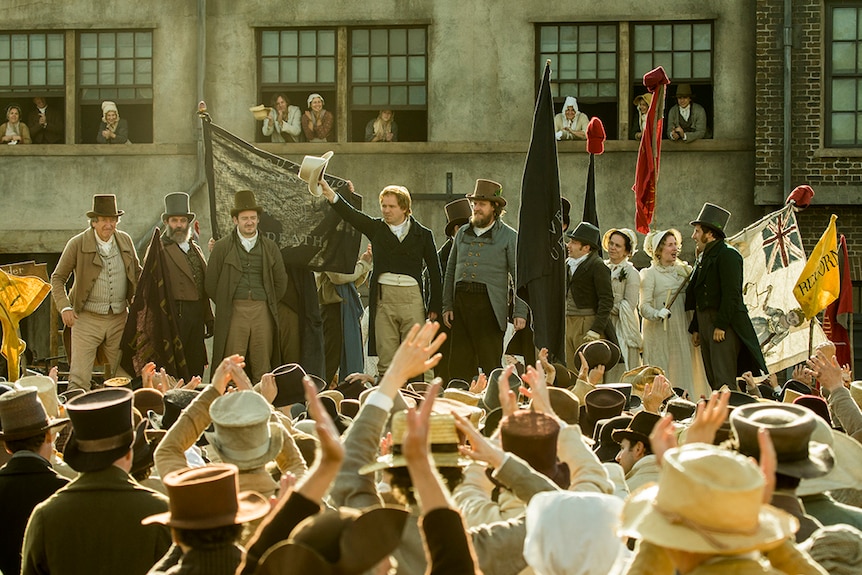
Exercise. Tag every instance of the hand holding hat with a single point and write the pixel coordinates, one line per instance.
(312, 170)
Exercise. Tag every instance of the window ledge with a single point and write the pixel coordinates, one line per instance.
(99, 150)
(838, 153)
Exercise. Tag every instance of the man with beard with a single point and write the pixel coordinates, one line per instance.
(479, 276)
(186, 269)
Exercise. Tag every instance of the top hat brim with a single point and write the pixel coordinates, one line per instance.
(236, 211)
(92, 214)
(190, 216)
(251, 506)
(87, 461)
(709, 226)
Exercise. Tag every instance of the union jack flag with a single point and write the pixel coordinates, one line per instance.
(782, 244)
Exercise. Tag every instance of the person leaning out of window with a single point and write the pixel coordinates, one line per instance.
(383, 128)
(282, 124)
(14, 131)
(113, 129)
(316, 122)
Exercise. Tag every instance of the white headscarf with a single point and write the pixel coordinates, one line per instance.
(557, 520)
(570, 101)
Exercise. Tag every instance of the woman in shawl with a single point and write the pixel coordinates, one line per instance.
(383, 128)
(316, 122)
(14, 131)
(113, 129)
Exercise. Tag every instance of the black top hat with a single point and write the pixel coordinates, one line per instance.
(638, 429)
(177, 204)
(243, 201)
(491, 422)
(351, 389)
(598, 352)
(713, 217)
(790, 427)
(175, 401)
(105, 205)
(680, 408)
(586, 233)
(626, 390)
(491, 399)
(101, 429)
(288, 378)
(457, 214)
(600, 403)
(606, 448)
(488, 190)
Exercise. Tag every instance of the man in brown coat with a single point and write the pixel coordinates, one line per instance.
(186, 270)
(106, 269)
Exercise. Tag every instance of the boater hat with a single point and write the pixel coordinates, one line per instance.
(311, 171)
(102, 429)
(105, 205)
(177, 204)
(713, 217)
(488, 190)
(22, 415)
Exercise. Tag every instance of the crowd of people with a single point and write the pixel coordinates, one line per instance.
(637, 452)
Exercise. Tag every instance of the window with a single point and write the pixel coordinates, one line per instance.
(388, 69)
(684, 49)
(380, 68)
(31, 64)
(584, 65)
(116, 66)
(844, 75)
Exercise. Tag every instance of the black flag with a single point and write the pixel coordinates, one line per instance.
(591, 215)
(541, 280)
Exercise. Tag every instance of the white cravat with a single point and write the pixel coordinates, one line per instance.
(105, 247)
(401, 229)
(685, 112)
(247, 243)
(574, 263)
(185, 247)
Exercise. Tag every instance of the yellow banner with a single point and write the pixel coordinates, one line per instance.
(19, 297)
(819, 283)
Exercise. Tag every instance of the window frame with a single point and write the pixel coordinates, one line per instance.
(829, 75)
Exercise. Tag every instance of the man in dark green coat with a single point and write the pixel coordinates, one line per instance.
(721, 325)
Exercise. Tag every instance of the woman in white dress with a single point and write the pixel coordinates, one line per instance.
(621, 244)
(666, 341)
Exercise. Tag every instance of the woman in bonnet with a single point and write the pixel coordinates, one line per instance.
(316, 122)
(621, 244)
(113, 129)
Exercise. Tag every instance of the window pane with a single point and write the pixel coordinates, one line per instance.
(587, 66)
(379, 42)
(398, 95)
(107, 71)
(416, 40)
(289, 43)
(843, 57)
(143, 71)
(568, 39)
(37, 46)
(145, 93)
(844, 95)
(682, 64)
(326, 70)
(587, 38)
(55, 73)
(858, 128)
(662, 37)
(125, 45)
(682, 37)
(107, 45)
(88, 46)
(5, 73)
(288, 71)
(701, 65)
(858, 94)
(398, 69)
(607, 38)
(5, 46)
(55, 46)
(125, 71)
(588, 90)
(379, 69)
(307, 71)
(398, 41)
(702, 36)
(126, 93)
(268, 43)
(607, 90)
(19, 73)
(361, 69)
(379, 95)
(643, 38)
(608, 66)
(643, 64)
(843, 129)
(326, 43)
(107, 93)
(37, 73)
(19, 47)
(143, 45)
(361, 95)
(89, 73)
(360, 42)
(568, 66)
(844, 23)
(416, 68)
(307, 43)
(417, 95)
(269, 71)
(548, 38)
(665, 60)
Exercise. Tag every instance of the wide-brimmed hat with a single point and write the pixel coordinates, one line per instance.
(119, 381)
(149, 399)
(683, 90)
(630, 234)
(243, 201)
(102, 429)
(847, 471)
(288, 379)
(311, 171)
(599, 404)
(598, 352)
(639, 428)
(532, 436)
(488, 190)
(707, 500)
(458, 213)
(790, 427)
(713, 217)
(243, 433)
(207, 497)
(337, 542)
(491, 399)
(350, 408)
(444, 443)
(23, 415)
(565, 404)
(632, 401)
(177, 204)
(105, 205)
(47, 389)
(260, 112)
(816, 404)
(586, 233)
(462, 396)
(605, 447)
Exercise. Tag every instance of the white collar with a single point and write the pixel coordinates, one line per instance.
(401, 229)
(248, 243)
(104, 247)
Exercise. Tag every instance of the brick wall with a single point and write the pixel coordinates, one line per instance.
(831, 173)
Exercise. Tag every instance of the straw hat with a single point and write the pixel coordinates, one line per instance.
(243, 433)
(47, 391)
(463, 396)
(260, 112)
(444, 440)
(23, 415)
(311, 172)
(708, 500)
(118, 382)
(206, 498)
(445, 405)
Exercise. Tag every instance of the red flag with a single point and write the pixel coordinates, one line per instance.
(836, 318)
(649, 153)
